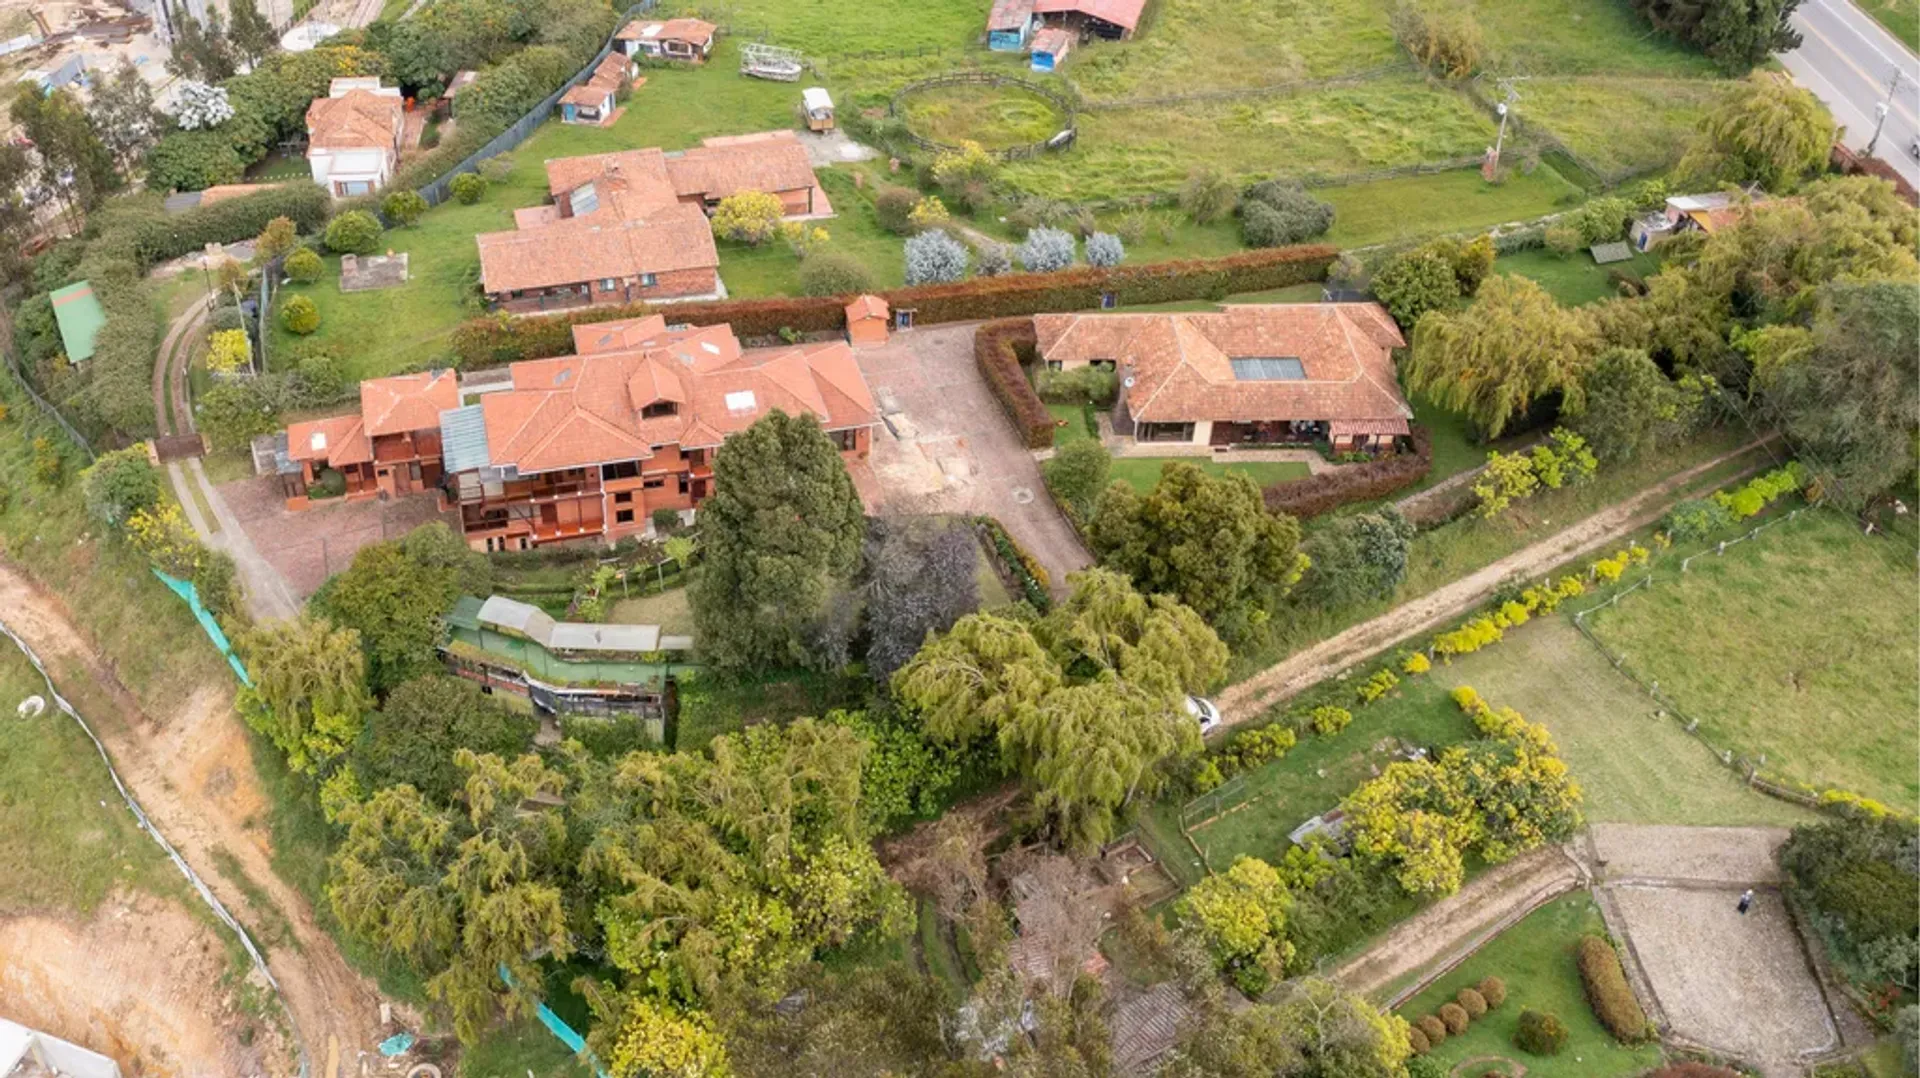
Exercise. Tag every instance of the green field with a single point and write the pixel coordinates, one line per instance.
(1190, 45)
(1900, 17)
(1535, 959)
(1621, 124)
(1416, 207)
(1580, 37)
(996, 117)
(1142, 473)
(1574, 279)
(1796, 646)
(1634, 765)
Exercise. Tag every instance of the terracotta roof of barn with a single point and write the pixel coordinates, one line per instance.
(357, 119)
(408, 402)
(1055, 40)
(768, 161)
(573, 411)
(1182, 371)
(1121, 13)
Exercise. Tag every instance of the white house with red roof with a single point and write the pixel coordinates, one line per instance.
(353, 136)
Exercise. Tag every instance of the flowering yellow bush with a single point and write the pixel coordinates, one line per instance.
(1380, 684)
(1468, 638)
(1415, 663)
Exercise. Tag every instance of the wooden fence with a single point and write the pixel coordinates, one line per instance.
(1059, 141)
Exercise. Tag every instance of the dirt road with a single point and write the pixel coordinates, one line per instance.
(1249, 698)
(192, 773)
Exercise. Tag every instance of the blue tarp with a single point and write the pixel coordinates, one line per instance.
(558, 1026)
(185, 590)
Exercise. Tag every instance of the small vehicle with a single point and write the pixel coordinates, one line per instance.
(1913, 148)
(1204, 713)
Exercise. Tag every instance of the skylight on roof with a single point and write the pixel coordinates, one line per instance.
(710, 347)
(741, 402)
(561, 376)
(319, 440)
(585, 200)
(1268, 369)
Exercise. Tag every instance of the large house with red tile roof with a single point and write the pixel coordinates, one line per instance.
(390, 448)
(592, 444)
(353, 136)
(1254, 374)
(632, 225)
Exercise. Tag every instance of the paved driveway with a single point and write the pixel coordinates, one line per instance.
(309, 546)
(950, 448)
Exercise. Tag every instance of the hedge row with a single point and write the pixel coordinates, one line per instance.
(495, 340)
(997, 348)
(1323, 493)
(1608, 992)
(160, 238)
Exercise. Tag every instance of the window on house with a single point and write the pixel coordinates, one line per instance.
(621, 469)
(1165, 432)
(608, 284)
(350, 188)
(846, 439)
(648, 280)
(741, 401)
(1101, 364)
(658, 409)
(624, 497)
(623, 516)
(1054, 364)
(655, 483)
(684, 481)
(584, 200)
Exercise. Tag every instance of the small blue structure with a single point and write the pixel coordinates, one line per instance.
(1010, 25)
(1050, 47)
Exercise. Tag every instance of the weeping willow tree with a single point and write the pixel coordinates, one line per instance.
(309, 694)
(1492, 361)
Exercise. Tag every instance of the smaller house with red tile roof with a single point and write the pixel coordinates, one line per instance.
(353, 136)
(672, 39)
(595, 100)
(1254, 374)
(389, 448)
(1114, 20)
(591, 445)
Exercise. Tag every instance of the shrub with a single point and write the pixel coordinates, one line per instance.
(996, 350)
(1328, 719)
(1046, 250)
(300, 316)
(1081, 385)
(1608, 993)
(49, 467)
(304, 266)
(1455, 1016)
(894, 208)
(1077, 474)
(468, 188)
(750, 217)
(1494, 991)
(1380, 684)
(993, 259)
(1471, 1002)
(1275, 213)
(353, 232)
(834, 273)
(1444, 37)
(403, 208)
(1323, 493)
(1540, 1033)
(1105, 249)
(1421, 1067)
(928, 212)
(1415, 663)
(1434, 1028)
(228, 350)
(934, 258)
(1562, 238)
(1415, 282)
(1418, 1041)
(1207, 195)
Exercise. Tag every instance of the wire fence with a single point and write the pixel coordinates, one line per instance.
(46, 407)
(1057, 141)
(1216, 802)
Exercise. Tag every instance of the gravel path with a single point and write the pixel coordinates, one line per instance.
(1250, 698)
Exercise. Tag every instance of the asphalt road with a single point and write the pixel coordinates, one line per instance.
(1847, 60)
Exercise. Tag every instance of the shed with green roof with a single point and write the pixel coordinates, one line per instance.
(77, 311)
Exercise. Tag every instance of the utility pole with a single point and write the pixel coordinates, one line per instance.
(1880, 110)
(1491, 167)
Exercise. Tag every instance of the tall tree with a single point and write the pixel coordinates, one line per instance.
(309, 693)
(920, 580)
(1630, 405)
(1208, 541)
(1853, 403)
(252, 36)
(124, 114)
(1513, 347)
(423, 723)
(16, 213)
(1769, 132)
(74, 164)
(1311, 1029)
(781, 532)
(201, 51)
(1241, 915)
(1738, 34)
(396, 604)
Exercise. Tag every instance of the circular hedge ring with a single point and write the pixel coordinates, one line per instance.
(1059, 139)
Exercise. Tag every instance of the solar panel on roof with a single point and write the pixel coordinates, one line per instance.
(1268, 369)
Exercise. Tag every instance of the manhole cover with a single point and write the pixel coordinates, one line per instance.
(1022, 495)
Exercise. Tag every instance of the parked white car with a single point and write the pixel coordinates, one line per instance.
(1204, 713)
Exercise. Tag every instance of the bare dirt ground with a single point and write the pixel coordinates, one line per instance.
(955, 451)
(192, 772)
(139, 981)
(1738, 857)
(1439, 937)
(1248, 699)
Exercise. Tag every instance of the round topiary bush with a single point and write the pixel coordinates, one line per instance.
(892, 206)
(300, 316)
(303, 265)
(1540, 1033)
(1494, 991)
(1434, 1028)
(1455, 1016)
(1471, 1002)
(468, 187)
(834, 273)
(1418, 1041)
(353, 232)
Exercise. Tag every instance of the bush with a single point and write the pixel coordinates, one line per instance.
(1455, 1016)
(993, 259)
(1415, 663)
(996, 350)
(1562, 238)
(894, 207)
(929, 212)
(1081, 385)
(1275, 213)
(1494, 991)
(1444, 37)
(1471, 1002)
(1046, 250)
(1695, 519)
(353, 232)
(1327, 719)
(468, 188)
(935, 258)
(1076, 475)
(1380, 684)
(1420, 1067)
(300, 316)
(1207, 195)
(304, 266)
(1323, 493)
(1415, 282)
(834, 273)
(160, 236)
(403, 208)
(1540, 1033)
(1434, 1028)
(1418, 1041)
(1105, 249)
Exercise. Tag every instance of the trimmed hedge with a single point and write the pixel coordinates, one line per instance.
(1471, 1001)
(495, 340)
(1418, 1041)
(1608, 992)
(161, 238)
(1434, 1028)
(1455, 1016)
(996, 350)
(1323, 493)
(1540, 1033)
(1494, 991)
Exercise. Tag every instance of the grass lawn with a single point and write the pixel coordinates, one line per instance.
(1619, 124)
(1070, 424)
(711, 705)
(1580, 37)
(521, 1048)
(1900, 17)
(1416, 207)
(1635, 766)
(1535, 959)
(996, 117)
(669, 610)
(1207, 44)
(1574, 279)
(1143, 472)
(1796, 646)
(60, 814)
